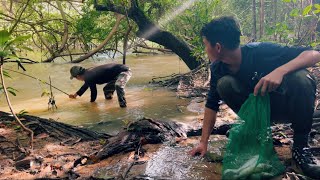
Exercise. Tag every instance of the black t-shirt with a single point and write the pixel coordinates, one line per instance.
(258, 60)
(100, 75)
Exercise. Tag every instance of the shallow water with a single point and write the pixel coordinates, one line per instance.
(144, 100)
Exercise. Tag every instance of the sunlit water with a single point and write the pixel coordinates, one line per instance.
(144, 100)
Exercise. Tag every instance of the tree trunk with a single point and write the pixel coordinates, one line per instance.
(98, 48)
(318, 24)
(125, 42)
(10, 106)
(151, 32)
(275, 7)
(56, 53)
(254, 18)
(261, 18)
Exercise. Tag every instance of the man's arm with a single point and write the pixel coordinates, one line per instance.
(209, 120)
(83, 89)
(93, 89)
(272, 81)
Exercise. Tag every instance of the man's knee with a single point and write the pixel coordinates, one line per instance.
(300, 81)
(118, 87)
(226, 86)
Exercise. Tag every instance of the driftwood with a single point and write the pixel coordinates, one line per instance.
(148, 131)
(55, 129)
(145, 131)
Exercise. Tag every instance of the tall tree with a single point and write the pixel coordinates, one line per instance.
(254, 19)
(150, 31)
(261, 18)
(99, 47)
(275, 7)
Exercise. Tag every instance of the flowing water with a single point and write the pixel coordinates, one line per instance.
(144, 100)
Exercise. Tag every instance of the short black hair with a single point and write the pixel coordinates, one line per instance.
(224, 30)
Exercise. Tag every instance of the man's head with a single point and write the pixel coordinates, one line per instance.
(219, 35)
(77, 72)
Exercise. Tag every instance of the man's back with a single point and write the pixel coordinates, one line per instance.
(104, 73)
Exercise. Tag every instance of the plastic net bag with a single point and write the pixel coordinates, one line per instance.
(249, 152)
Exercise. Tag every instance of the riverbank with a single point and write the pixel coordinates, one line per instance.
(54, 158)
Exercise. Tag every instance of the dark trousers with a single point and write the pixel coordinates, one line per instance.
(293, 101)
(109, 90)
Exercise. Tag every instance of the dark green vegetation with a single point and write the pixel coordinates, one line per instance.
(75, 30)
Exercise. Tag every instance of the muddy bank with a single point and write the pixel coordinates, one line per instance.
(146, 149)
(80, 153)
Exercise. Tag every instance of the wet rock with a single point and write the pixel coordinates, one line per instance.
(115, 170)
(196, 105)
(216, 148)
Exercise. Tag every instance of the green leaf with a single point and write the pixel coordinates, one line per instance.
(3, 53)
(307, 10)
(4, 37)
(12, 91)
(314, 44)
(26, 48)
(286, 1)
(316, 11)
(17, 40)
(17, 127)
(294, 12)
(22, 113)
(317, 6)
(6, 74)
(13, 57)
(45, 93)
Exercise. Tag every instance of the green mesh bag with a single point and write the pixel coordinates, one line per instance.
(249, 152)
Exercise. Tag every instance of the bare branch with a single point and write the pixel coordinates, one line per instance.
(113, 31)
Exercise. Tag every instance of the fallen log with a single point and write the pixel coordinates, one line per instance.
(145, 131)
(55, 129)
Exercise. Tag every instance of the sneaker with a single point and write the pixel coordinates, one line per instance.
(305, 162)
(123, 105)
(108, 96)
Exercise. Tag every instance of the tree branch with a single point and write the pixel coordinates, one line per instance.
(113, 31)
(10, 106)
(18, 20)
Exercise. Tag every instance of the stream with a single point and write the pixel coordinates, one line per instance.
(144, 99)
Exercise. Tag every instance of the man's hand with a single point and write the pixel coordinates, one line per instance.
(269, 82)
(200, 149)
(73, 96)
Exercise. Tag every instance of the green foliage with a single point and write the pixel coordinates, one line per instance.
(191, 21)
(8, 44)
(11, 90)
(45, 92)
(22, 113)
(295, 12)
(94, 25)
(307, 10)
(6, 74)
